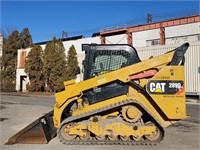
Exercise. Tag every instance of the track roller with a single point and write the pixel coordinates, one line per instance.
(86, 135)
(155, 136)
(64, 132)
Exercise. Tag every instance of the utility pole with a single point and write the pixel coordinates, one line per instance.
(149, 18)
(64, 34)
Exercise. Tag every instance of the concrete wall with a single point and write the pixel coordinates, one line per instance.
(139, 38)
(182, 33)
(78, 46)
(116, 39)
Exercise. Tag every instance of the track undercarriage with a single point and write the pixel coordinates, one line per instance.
(123, 123)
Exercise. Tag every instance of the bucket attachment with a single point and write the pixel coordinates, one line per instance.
(40, 131)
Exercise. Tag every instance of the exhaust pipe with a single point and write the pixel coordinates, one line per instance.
(41, 131)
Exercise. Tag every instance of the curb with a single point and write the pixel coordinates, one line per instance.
(192, 100)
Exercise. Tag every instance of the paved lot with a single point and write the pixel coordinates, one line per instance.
(17, 111)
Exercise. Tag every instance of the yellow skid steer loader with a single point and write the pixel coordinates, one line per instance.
(121, 100)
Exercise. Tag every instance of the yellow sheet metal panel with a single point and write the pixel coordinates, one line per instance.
(167, 90)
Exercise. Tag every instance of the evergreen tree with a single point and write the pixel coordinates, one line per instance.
(55, 65)
(33, 68)
(72, 63)
(25, 38)
(48, 56)
(9, 61)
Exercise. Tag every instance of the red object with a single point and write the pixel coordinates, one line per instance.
(142, 75)
(103, 40)
(162, 36)
(129, 38)
(22, 59)
(181, 90)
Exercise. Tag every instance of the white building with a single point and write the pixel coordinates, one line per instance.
(148, 39)
(1, 48)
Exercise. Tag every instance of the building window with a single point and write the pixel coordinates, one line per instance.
(155, 42)
(22, 59)
(198, 37)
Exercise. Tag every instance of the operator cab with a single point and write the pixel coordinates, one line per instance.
(100, 59)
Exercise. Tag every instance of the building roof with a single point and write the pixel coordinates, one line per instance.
(64, 39)
(96, 34)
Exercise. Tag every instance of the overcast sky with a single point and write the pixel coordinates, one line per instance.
(49, 18)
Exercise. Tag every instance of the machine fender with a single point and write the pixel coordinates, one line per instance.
(59, 111)
(152, 102)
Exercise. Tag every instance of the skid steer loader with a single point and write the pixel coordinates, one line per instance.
(122, 100)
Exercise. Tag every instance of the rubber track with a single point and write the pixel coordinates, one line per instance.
(105, 142)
